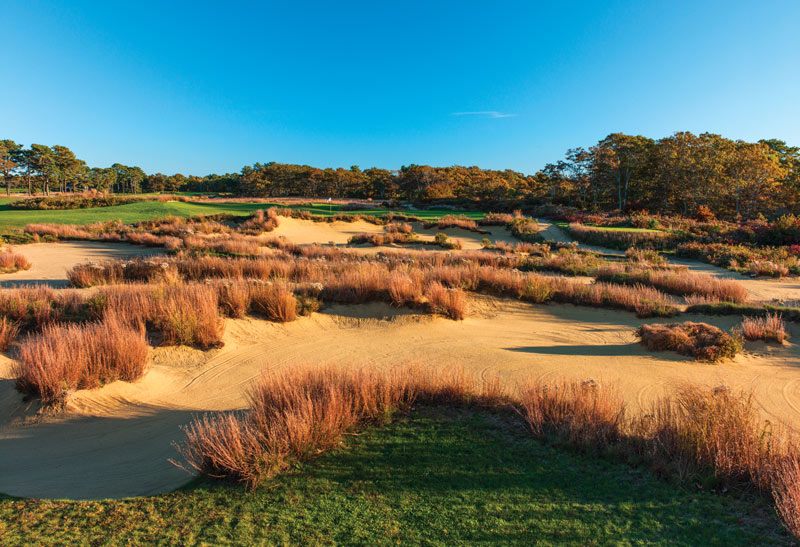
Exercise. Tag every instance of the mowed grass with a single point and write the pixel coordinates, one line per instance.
(151, 210)
(436, 477)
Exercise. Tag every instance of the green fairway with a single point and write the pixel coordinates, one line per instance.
(149, 210)
(440, 477)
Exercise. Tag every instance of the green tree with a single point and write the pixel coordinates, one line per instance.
(9, 153)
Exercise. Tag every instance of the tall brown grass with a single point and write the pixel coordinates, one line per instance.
(681, 283)
(299, 414)
(8, 332)
(147, 270)
(449, 302)
(63, 358)
(274, 300)
(769, 328)
(183, 314)
(261, 221)
(12, 262)
(786, 492)
(582, 413)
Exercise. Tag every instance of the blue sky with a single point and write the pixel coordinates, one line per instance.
(201, 87)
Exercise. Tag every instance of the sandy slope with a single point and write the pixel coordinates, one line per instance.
(116, 441)
(50, 261)
(306, 231)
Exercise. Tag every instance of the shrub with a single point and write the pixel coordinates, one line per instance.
(525, 229)
(306, 304)
(66, 358)
(398, 228)
(769, 328)
(704, 214)
(442, 240)
(768, 261)
(71, 202)
(702, 341)
(261, 221)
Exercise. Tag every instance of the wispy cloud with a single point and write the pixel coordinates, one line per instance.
(485, 114)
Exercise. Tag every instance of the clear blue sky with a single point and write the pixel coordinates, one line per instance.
(200, 87)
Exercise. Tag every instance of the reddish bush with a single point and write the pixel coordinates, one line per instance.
(702, 341)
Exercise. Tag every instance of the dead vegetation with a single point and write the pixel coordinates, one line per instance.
(769, 328)
(702, 341)
(63, 358)
(690, 435)
(11, 262)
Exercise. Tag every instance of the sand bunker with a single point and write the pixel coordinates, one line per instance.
(116, 441)
(305, 232)
(52, 260)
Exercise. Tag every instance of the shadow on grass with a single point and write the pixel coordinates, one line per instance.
(437, 477)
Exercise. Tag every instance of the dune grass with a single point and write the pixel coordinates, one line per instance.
(435, 477)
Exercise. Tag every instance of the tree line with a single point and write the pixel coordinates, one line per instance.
(674, 174)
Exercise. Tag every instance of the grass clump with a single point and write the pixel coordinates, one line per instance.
(11, 262)
(275, 301)
(448, 302)
(702, 341)
(8, 332)
(769, 328)
(63, 358)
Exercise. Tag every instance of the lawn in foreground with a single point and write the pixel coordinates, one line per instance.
(150, 210)
(438, 477)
